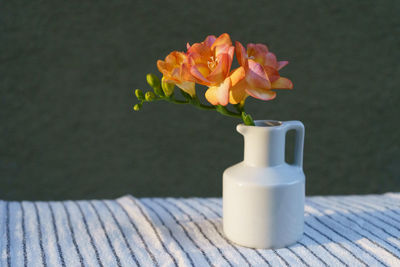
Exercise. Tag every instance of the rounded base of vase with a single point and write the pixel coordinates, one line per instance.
(265, 245)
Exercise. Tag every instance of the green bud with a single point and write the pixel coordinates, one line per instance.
(167, 87)
(139, 94)
(150, 96)
(153, 80)
(137, 107)
(158, 91)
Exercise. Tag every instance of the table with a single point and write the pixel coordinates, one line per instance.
(339, 231)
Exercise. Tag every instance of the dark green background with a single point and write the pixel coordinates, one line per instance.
(68, 70)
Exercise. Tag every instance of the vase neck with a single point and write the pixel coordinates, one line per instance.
(264, 144)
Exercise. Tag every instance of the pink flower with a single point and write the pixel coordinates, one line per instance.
(261, 74)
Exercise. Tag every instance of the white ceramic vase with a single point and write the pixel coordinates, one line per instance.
(263, 196)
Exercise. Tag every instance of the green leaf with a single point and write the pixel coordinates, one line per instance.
(247, 119)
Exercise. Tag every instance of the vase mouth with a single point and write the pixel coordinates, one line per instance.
(260, 126)
(266, 123)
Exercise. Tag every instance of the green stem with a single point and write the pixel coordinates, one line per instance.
(224, 111)
(206, 107)
(195, 102)
(161, 89)
(175, 101)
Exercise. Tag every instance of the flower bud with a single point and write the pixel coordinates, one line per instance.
(158, 91)
(139, 94)
(167, 87)
(137, 107)
(150, 96)
(153, 80)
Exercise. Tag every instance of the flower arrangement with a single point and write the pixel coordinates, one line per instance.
(209, 63)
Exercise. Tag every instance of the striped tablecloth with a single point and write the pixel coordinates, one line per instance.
(339, 231)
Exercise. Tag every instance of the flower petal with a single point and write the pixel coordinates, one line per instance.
(231, 52)
(282, 64)
(282, 83)
(203, 69)
(188, 87)
(210, 40)
(272, 73)
(198, 76)
(171, 59)
(211, 95)
(223, 92)
(163, 67)
(221, 70)
(169, 80)
(223, 39)
(238, 92)
(185, 72)
(261, 93)
(237, 75)
(270, 60)
(219, 95)
(257, 52)
(256, 76)
(241, 55)
(198, 52)
(224, 49)
(253, 49)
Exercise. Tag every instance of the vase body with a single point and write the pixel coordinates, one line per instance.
(263, 196)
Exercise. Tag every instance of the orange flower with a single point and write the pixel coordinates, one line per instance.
(175, 70)
(210, 63)
(261, 74)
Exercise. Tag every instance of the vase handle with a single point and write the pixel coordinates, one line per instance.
(299, 141)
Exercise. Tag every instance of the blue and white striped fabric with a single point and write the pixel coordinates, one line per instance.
(339, 231)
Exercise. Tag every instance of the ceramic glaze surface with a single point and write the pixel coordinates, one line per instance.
(263, 196)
